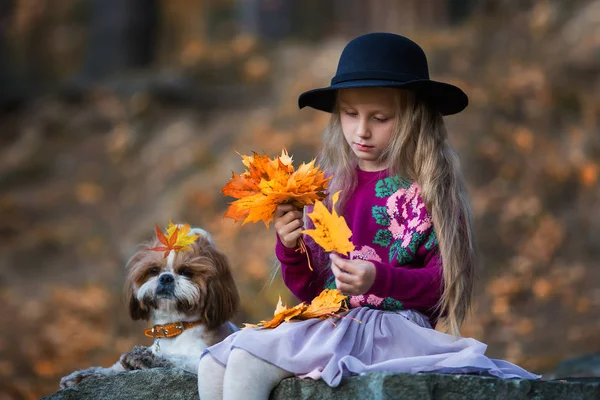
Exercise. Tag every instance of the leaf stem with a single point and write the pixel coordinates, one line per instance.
(303, 249)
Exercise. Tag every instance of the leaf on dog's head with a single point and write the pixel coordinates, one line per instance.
(331, 231)
(177, 238)
(185, 238)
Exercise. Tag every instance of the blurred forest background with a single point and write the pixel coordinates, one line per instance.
(116, 114)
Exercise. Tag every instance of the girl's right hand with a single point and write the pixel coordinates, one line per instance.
(288, 225)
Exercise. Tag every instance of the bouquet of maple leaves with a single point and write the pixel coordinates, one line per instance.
(269, 182)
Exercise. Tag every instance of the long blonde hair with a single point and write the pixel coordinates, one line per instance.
(419, 150)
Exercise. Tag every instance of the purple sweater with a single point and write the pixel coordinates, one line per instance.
(392, 228)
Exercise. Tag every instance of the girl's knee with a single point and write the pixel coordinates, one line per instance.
(210, 378)
(249, 376)
(239, 355)
(203, 365)
(207, 365)
(242, 362)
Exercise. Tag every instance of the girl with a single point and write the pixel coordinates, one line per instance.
(404, 200)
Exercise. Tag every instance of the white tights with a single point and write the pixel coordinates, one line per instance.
(246, 377)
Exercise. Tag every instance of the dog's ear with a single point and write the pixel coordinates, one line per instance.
(222, 297)
(202, 236)
(136, 310)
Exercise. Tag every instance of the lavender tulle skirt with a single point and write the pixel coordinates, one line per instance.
(400, 341)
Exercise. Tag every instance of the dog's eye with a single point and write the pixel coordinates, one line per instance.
(185, 271)
(154, 271)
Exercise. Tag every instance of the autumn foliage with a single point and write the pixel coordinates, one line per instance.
(83, 180)
(329, 303)
(177, 239)
(269, 182)
(331, 230)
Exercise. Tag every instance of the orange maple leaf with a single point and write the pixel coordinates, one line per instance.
(326, 304)
(331, 231)
(269, 182)
(283, 314)
(178, 238)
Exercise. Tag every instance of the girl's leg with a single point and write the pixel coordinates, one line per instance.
(210, 378)
(248, 377)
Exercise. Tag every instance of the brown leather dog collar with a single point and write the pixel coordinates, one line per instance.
(169, 330)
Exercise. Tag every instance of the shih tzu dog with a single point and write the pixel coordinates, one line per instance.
(189, 296)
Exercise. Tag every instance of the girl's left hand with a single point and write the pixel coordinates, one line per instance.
(352, 277)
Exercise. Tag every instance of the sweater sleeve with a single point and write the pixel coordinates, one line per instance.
(297, 276)
(417, 286)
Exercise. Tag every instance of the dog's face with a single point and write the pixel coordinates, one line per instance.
(194, 283)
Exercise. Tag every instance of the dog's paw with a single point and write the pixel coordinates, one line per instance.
(142, 358)
(80, 376)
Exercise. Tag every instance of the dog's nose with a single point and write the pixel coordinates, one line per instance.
(166, 278)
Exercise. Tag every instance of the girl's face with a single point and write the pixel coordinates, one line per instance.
(367, 116)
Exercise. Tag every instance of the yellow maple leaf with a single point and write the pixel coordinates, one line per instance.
(177, 239)
(269, 182)
(331, 231)
(184, 239)
(329, 301)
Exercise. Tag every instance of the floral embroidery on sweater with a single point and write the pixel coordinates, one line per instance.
(404, 219)
(388, 186)
(365, 253)
(405, 225)
(370, 300)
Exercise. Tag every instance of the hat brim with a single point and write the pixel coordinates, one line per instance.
(447, 99)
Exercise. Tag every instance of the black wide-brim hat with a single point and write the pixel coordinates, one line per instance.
(386, 60)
